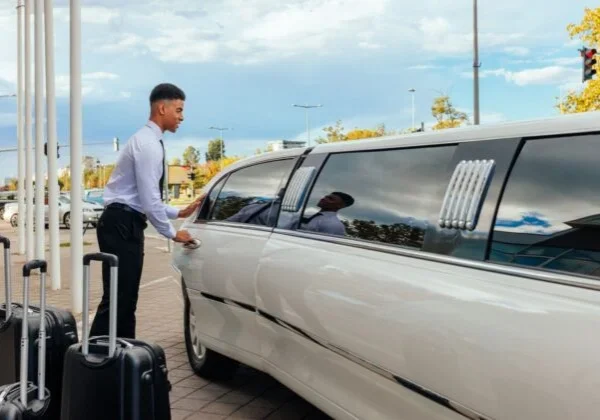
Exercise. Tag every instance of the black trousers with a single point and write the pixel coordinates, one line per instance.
(121, 233)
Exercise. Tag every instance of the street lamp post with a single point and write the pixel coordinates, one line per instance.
(476, 65)
(306, 108)
(220, 129)
(412, 91)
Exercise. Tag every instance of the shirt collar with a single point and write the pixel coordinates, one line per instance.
(155, 129)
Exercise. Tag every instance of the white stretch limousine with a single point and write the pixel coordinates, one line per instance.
(442, 275)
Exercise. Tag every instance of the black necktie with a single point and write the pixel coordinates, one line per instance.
(161, 184)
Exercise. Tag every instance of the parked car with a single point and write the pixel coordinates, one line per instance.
(91, 212)
(95, 195)
(457, 276)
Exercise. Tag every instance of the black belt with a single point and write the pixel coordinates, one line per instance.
(121, 206)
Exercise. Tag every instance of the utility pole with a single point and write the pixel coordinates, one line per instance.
(412, 91)
(220, 129)
(476, 65)
(306, 108)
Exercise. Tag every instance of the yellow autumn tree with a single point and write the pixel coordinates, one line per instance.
(587, 99)
(446, 114)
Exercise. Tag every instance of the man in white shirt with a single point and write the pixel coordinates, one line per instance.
(326, 220)
(132, 197)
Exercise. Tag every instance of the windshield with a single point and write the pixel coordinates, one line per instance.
(64, 199)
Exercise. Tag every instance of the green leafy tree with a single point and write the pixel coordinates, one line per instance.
(446, 114)
(215, 150)
(191, 156)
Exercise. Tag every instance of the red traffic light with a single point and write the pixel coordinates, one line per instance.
(590, 53)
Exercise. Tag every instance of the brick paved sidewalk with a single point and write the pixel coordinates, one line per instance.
(249, 395)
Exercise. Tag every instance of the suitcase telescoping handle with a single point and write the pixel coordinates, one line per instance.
(113, 262)
(27, 269)
(7, 281)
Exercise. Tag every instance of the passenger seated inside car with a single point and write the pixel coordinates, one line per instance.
(263, 213)
(326, 219)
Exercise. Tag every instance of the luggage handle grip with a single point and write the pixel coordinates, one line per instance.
(27, 268)
(7, 276)
(113, 261)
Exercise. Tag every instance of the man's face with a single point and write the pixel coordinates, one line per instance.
(331, 202)
(172, 114)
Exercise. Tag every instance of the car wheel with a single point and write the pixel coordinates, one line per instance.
(67, 220)
(204, 362)
(14, 220)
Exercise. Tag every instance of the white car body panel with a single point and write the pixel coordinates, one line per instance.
(369, 331)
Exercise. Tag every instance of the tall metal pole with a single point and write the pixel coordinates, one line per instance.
(20, 139)
(76, 173)
(40, 231)
(412, 91)
(306, 108)
(52, 149)
(475, 65)
(28, 137)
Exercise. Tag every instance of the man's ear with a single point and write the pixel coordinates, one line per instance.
(161, 108)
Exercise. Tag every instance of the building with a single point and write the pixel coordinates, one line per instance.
(285, 144)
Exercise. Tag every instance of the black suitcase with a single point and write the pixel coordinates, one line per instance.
(61, 333)
(24, 400)
(111, 378)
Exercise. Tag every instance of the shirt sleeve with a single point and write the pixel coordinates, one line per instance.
(147, 157)
(172, 212)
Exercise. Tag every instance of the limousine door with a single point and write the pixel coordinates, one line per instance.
(232, 229)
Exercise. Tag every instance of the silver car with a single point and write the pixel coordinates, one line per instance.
(91, 212)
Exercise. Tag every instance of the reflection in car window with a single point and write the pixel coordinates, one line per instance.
(550, 213)
(248, 194)
(386, 196)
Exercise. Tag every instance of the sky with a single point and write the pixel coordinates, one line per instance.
(244, 63)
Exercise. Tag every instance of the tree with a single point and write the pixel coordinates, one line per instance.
(12, 184)
(446, 115)
(336, 133)
(215, 150)
(191, 156)
(175, 161)
(588, 98)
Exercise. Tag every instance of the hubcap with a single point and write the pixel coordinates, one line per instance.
(199, 349)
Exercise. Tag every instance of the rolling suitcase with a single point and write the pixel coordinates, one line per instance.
(24, 400)
(61, 332)
(113, 378)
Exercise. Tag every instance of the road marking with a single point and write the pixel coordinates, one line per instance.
(160, 280)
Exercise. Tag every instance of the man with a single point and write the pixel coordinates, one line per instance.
(325, 220)
(132, 196)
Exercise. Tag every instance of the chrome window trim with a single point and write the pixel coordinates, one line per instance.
(237, 225)
(546, 276)
(297, 188)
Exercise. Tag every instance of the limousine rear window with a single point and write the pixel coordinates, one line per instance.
(390, 196)
(549, 217)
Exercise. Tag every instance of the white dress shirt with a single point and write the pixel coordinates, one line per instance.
(135, 179)
(322, 222)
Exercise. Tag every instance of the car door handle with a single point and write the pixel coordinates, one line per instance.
(195, 244)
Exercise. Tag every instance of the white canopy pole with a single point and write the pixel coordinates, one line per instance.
(40, 182)
(52, 149)
(20, 139)
(76, 173)
(28, 136)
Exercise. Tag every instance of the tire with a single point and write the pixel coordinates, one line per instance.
(14, 220)
(67, 220)
(204, 362)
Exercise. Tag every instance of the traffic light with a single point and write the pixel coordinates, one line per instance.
(589, 61)
(191, 176)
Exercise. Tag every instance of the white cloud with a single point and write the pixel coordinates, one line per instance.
(95, 15)
(550, 75)
(423, 67)
(8, 119)
(518, 51)
(92, 84)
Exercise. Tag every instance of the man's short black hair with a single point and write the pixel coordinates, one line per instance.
(166, 91)
(346, 198)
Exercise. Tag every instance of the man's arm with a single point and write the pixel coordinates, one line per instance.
(148, 171)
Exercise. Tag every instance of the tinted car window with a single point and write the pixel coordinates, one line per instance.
(549, 216)
(248, 193)
(389, 196)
